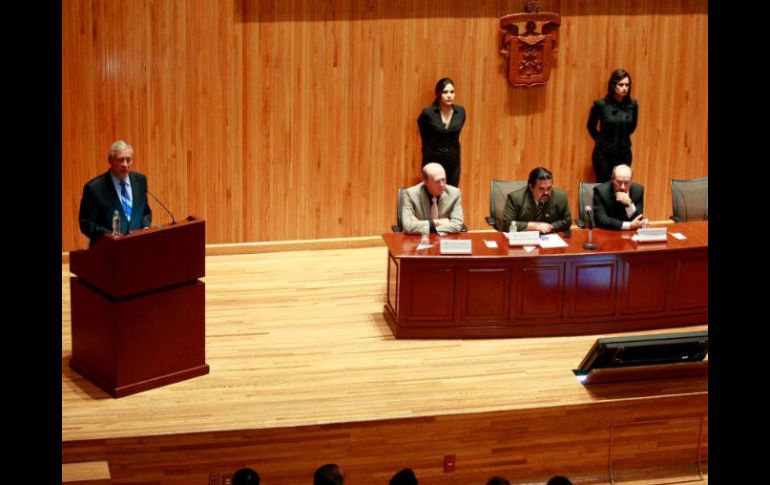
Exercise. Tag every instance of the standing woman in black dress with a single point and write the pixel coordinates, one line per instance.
(611, 122)
(440, 125)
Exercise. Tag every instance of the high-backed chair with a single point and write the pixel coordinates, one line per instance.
(399, 226)
(498, 192)
(585, 197)
(691, 199)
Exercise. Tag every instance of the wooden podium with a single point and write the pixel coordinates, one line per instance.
(138, 308)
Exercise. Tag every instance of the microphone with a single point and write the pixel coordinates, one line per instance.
(591, 224)
(173, 221)
(590, 213)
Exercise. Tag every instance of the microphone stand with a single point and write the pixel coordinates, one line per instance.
(590, 223)
(173, 221)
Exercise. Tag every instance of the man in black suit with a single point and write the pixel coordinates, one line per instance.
(618, 203)
(119, 189)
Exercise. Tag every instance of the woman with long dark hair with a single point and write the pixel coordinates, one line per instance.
(440, 125)
(611, 122)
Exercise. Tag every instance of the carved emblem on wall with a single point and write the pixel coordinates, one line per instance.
(529, 40)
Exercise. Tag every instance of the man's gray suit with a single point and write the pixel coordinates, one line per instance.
(415, 213)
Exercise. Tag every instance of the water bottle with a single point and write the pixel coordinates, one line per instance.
(513, 227)
(425, 239)
(116, 223)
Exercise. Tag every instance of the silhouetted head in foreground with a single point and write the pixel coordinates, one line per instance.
(329, 474)
(246, 476)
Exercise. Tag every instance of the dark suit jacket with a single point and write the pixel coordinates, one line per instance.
(609, 213)
(100, 200)
(521, 207)
(439, 144)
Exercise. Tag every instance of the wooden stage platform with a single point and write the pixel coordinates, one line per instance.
(305, 371)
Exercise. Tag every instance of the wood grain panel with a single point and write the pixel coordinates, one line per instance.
(666, 443)
(527, 446)
(433, 292)
(86, 473)
(483, 292)
(392, 294)
(594, 290)
(694, 276)
(540, 291)
(644, 284)
(297, 120)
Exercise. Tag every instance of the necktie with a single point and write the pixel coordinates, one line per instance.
(433, 209)
(539, 213)
(126, 199)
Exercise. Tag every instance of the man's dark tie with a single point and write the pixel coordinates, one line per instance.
(126, 200)
(539, 212)
(433, 209)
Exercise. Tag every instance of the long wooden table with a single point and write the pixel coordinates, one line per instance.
(509, 292)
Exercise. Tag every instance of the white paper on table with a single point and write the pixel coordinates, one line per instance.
(490, 244)
(647, 238)
(424, 246)
(456, 246)
(678, 235)
(552, 241)
(528, 248)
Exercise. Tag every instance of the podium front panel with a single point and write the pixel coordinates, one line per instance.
(129, 345)
(144, 260)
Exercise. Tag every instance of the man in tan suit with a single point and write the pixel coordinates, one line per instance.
(432, 205)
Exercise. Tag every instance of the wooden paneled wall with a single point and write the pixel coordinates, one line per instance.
(649, 437)
(278, 120)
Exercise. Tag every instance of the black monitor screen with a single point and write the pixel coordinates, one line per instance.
(640, 350)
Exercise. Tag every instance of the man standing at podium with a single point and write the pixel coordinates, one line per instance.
(119, 189)
(432, 205)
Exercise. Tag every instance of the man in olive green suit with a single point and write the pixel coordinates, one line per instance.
(537, 207)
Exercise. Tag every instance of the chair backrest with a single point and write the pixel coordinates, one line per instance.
(585, 197)
(690, 199)
(498, 192)
(399, 227)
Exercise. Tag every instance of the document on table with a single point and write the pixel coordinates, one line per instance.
(455, 246)
(552, 241)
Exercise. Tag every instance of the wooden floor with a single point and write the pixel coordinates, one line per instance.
(298, 338)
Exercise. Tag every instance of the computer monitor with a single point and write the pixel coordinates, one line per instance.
(645, 350)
